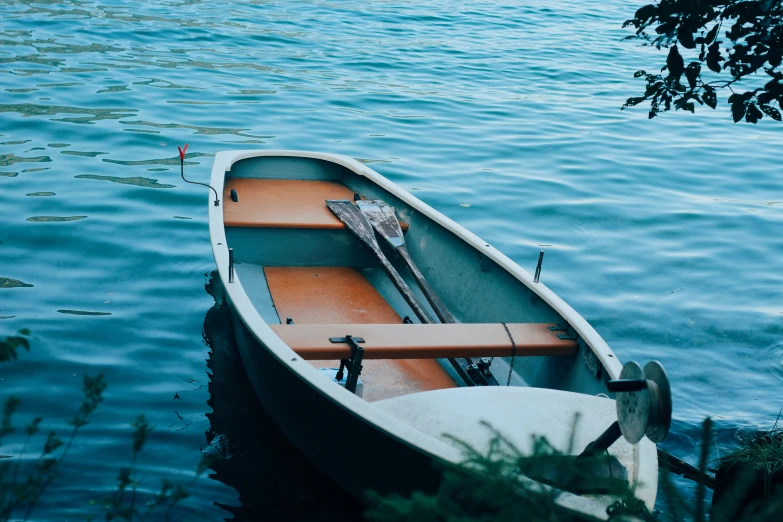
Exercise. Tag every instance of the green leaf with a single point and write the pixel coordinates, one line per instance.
(630, 102)
(692, 73)
(646, 12)
(10, 345)
(714, 58)
(738, 108)
(52, 443)
(753, 114)
(639, 74)
(712, 34)
(772, 112)
(32, 428)
(709, 97)
(675, 62)
(652, 89)
(685, 37)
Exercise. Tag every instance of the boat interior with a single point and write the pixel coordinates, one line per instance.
(312, 281)
(501, 356)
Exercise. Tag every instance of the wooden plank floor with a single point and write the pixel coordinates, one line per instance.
(341, 295)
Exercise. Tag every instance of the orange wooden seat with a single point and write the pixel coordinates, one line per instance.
(424, 341)
(283, 203)
(322, 296)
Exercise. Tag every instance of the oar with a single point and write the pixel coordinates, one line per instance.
(384, 220)
(358, 223)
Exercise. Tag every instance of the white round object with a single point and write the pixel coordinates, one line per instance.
(633, 408)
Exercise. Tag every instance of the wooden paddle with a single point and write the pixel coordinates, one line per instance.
(358, 223)
(384, 220)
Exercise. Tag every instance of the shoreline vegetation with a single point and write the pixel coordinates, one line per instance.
(749, 488)
(491, 486)
(24, 479)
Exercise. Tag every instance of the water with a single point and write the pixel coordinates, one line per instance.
(664, 234)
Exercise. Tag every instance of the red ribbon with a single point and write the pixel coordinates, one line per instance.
(182, 152)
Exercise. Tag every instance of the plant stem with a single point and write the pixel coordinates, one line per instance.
(701, 489)
(50, 478)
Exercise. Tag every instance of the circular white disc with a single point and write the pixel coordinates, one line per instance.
(633, 408)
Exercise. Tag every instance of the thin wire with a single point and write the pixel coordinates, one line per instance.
(182, 173)
(513, 353)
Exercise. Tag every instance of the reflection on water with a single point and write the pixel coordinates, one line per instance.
(81, 312)
(6, 282)
(11, 159)
(161, 161)
(55, 218)
(92, 115)
(83, 154)
(274, 480)
(139, 182)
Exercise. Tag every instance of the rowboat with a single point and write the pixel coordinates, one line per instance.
(358, 373)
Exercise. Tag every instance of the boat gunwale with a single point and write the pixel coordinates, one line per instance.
(404, 433)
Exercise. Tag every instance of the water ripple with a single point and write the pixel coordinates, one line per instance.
(664, 234)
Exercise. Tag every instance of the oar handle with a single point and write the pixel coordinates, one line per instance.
(403, 287)
(440, 309)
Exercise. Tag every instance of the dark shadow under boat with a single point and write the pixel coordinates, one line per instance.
(275, 481)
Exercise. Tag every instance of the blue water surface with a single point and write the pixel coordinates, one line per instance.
(665, 234)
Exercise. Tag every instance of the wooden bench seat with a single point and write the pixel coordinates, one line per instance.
(424, 341)
(283, 203)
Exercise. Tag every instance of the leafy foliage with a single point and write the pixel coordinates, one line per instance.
(741, 37)
(16, 495)
(19, 496)
(11, 344)
(497, 486)
(491, 487)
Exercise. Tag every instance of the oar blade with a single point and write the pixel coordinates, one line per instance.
(356, 222)
(384, 220)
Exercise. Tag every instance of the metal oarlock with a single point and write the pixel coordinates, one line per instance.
(354, 364)
(230, 265)
(538, 266)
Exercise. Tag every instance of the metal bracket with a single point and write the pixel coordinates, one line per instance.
(406, 320)
(566, 337)
(558, 328)
(538, 266)
(354, 364)
(289, 320)
(234, 196)
(230, 265)
(480, 375)
(602, 443)
(483, 366)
